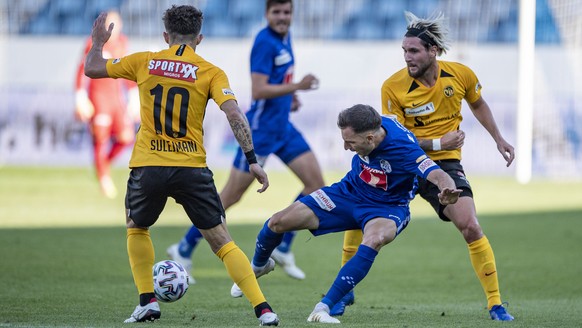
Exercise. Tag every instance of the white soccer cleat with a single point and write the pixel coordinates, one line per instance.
(287, 262)
(174, 254)
(321, 314)
(150, 312)
(269, 319)
(235, 291)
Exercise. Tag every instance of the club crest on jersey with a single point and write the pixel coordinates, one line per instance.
(173, 69)
(449, 91)
(385, 165)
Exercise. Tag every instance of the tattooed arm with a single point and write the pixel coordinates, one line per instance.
(238, 124)
(242, 132)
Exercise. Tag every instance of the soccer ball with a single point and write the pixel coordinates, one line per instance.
(170, 281)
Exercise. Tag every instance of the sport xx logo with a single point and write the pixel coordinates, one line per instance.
(173, 69)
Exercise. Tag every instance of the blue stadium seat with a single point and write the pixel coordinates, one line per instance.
(395, 28)
(425, 8)
(43, 25)
(76, 25)
(546, 30)
(391, 9)
(220, 28)
(246, 10)
(60, 8)
(245, 14)
(94, 7)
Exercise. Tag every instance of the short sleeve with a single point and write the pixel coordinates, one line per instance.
(126, 67)
(262, 57)
(390, 104)
(220, 88)
(473, 91)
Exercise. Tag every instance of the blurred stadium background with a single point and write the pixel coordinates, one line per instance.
(351, 45)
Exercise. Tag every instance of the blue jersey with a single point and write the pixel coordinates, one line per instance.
(388, 173)
(272, 55)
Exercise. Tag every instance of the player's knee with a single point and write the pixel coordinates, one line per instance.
(229, 199)
(472, 231)
(376, 241)
(276, 223)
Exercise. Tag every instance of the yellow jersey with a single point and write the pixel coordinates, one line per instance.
(175, 85)
(431, 112)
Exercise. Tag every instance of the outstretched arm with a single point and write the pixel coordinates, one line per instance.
(95, 64)
(483, 114)
(242, 132)
(262, 89)
(449, 193)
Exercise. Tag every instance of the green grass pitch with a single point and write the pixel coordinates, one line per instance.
(64, 261)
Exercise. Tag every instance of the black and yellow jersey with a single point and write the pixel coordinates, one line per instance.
(175, 85)
(431, 112)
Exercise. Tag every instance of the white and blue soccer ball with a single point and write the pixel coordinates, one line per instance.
(170, 281)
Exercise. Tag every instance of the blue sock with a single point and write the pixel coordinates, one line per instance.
(285, 245)
(267, 240)
(350, 275)
(189, 242)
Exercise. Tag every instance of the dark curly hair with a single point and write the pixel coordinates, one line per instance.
(183, 20)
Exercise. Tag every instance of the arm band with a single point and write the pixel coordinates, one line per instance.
(251, 157)
(436, 144)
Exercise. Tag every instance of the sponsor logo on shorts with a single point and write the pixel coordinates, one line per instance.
(323, 200)
(173, 69)
(425, 165)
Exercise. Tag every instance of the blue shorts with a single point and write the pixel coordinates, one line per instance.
(338, 209)
(286, 145)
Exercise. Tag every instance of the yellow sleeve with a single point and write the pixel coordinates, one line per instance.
(220, 88)
(473, 92)
(390, 104)
(127, 67)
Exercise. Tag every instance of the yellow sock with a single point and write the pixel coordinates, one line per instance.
(352, 240)
(483, 262)
(141, 259)
(239, 269)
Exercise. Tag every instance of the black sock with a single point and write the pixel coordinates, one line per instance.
(262, 308)
(146, 298)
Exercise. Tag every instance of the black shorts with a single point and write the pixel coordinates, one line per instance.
(148, 189)
(429, 191)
